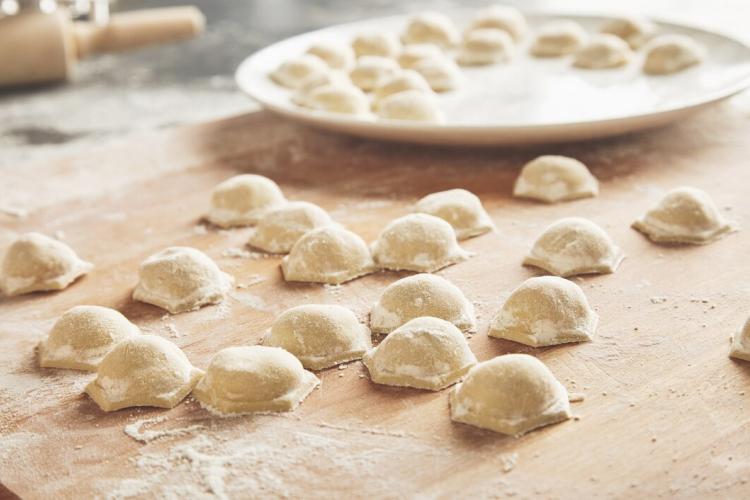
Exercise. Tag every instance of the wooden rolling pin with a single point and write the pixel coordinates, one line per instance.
(42, 48)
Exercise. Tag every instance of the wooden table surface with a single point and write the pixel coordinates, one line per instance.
(665, 410)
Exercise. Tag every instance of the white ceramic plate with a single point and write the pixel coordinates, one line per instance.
(526, 101)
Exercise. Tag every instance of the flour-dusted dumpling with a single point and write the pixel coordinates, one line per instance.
(336, 55)
(381, 43)
(412, 54)
(636, 31)
(442, 73)
(485, 46)
(329, 254)
(143, 370)
(741, 343)
(543, 311)
(572, 246)
(431, 27)
(330, 78)
(293, 73)
(460, 208)
(410, 105)
(558, 38)
(403, 80)
(280, 229)
(417, 242)
(35, 263)
(253, 379)
(243, 199)
(553, 178)
(603, 51)
(512, 394)
(425, 353)
(668, 54)
(320, 335)
(500, 17)
(683, 215)
(421, 295)
(343, 99)
(181, 279)
(371, 71)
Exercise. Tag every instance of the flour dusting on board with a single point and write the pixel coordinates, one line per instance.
(136, 430)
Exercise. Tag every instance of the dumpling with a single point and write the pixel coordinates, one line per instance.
(253, 379)
(410, 105)
(636, 31)
(35, 262)
(460, 208)
(371, 71)
(403, 80)
(555, 178)
(543, 311)
(425, 353)
(572, 246)
(382, 44)
(143, 370)
(485, 46)
(293, 73)
(500, 17)
(417, 242)
(683, 215)
(181, 279)
(431, 27)
(82, 336)
(280, 229)
(441, 73)
(336, 55)
(329, 254)
(344, 99)
(558, 38)
(512, 394)
(668, 54)
(412, 54)
(741, 343)
(330, 78)
(603, 52)
(320, 335)
(243, 199)
(421, 295)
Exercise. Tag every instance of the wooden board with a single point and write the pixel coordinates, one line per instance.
(665, 410)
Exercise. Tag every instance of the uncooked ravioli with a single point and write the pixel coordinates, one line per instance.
(441, 73)
(411, 55)
(485, 46)
(603, 51)
(376, 43)
(293, 73)
(372, 71)
(280, 229)
(403, 80)
(553, 178)
(340, 98)
(410, 105)
(501, 17)
(243, 199)
(337, 56)
(558, 38)
(636, 31)
(741, 343)
(431, 27)
(460, 208)
(667, 54)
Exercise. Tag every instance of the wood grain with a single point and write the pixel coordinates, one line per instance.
(665, 410)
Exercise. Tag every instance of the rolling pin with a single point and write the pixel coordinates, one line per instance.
(36, 47)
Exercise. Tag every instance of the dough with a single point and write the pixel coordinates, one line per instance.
(329, 254)
(417, 242)
(181, 279)
(431, 27)
(280, 229)
(683, 215)
(636, 31)
(512, 394)
(555, 178)
(460, 208)
(603, 52)
(253, 379)
(500, 17)
(485, 46)
(143, 370)
(336, 55)
(668, 54)
(441, 73)
(337, 98)
(741, 343)
(572, 246)
(412, 54)
(371, 71)
(421, 295)
(320, 335)
(410, 105)
(243, 199)
(292, 74)
(425, 353)
(35, 262)
(383, 44)
(558, 38)
(543, 311)
(82, 336)
(403, 80)
(330, 78)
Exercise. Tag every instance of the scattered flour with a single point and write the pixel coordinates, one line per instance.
(136, 431)
(242, 253)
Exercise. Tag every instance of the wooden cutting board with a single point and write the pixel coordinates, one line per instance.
(665, 410)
